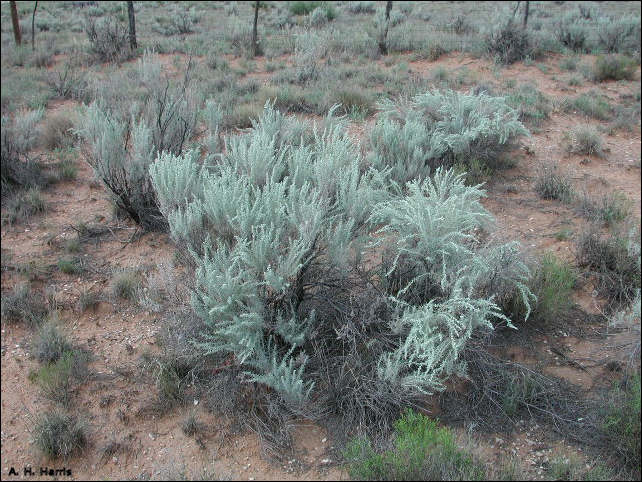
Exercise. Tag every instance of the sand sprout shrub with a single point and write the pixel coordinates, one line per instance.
(442, 129)
(508, 43)
(613, 67)
(122, 145)
(108, 39)
(287, 279)
(18, 136)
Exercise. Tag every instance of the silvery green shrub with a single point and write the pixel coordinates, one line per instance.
(441, 128)
(288, 217)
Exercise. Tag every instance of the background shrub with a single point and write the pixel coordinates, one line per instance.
(442, 129)
(108, 39)
(508, 43)
(613, 67)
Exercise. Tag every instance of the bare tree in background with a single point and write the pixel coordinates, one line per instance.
(33, 29)
(132, 26)
(15, 23)
(255, 33)
(526, 14)
(383, 45)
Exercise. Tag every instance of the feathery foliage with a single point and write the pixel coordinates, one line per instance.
(435, 129)
(282, 229)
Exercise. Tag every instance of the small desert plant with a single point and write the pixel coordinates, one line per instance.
(609, 209)
(23, 205)
(68, 83)
(551, 184)
(56, 132)
(585, 140)
(613, 67)
(59, 434)
(552, 283)
(19, 136)
(125, 284)
(422, 451)
(571, 33)
(622, 421)
(614, 260)
(191, 425)
(51, 343)
(508, 43)
(71, 265)
(592, 104)
(23, 305)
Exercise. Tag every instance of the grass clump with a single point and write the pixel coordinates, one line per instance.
(551, 184)
(532, 105)
(422, 451)
(59, 434)
(24, 205)
(57, 379)
(71, 265)
(614, 260)
(585, 140)
(88, 300)
(50, 343)
(553, 284)
(561, 468)
(125, 285)
(609, 209)
(66, 169)
(622, 422)
(22, 305)
(592, 104)
(191, 425)
(613, 67)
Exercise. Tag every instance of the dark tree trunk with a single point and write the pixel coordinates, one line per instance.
(255, 33)
(15, 23)
(383, 42)
(526, 15)
(132, 26)
(33, 29)
(516, 8)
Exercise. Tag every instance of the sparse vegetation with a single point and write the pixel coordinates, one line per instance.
(553, 184)
(23, 305)
(422, 451)
(125, 284)
(59, 434)
(586, 140)
(614, 260)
